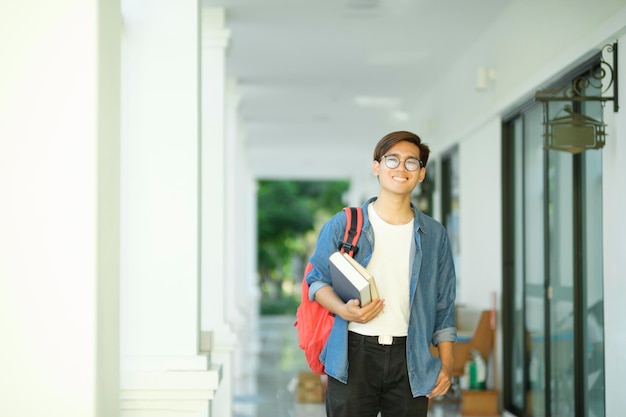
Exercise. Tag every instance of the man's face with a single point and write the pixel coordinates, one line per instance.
(400, 179)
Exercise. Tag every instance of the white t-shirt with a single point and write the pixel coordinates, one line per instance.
(390, 267)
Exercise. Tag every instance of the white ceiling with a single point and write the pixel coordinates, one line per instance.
(317, 76)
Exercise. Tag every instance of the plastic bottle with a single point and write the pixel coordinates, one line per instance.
(481, 371)
(476, 371)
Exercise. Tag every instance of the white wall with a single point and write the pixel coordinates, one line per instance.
(530, 43)
(59, 138)
(614, 248)
(480, 217)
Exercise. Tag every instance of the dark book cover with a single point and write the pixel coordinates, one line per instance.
(348, 282)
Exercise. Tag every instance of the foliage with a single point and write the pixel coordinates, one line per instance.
(287, 211)
(282, 306)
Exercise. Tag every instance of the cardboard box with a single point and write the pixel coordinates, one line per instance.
(310, 388)
(479, 403)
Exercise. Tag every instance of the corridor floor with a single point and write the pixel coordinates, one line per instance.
(271, 392)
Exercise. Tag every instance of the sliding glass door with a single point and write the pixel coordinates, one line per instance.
(553, 322)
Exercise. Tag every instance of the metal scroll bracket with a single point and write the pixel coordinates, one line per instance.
(576, 132)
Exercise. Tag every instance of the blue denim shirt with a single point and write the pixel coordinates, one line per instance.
(432, 296)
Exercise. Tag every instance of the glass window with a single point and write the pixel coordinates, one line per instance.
(532, 232)
(553, 278)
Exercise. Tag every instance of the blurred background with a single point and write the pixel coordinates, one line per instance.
(164, 167)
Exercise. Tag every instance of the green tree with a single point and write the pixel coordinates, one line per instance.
(287, 211)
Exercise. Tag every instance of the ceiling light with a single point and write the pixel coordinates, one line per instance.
(372, 101)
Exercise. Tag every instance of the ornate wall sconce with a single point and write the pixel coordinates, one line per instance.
(576, 132)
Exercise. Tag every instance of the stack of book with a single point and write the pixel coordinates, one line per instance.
(351, 280)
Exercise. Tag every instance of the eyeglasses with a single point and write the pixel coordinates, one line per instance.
(393, 161)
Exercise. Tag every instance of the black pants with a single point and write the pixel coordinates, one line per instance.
(377, 382)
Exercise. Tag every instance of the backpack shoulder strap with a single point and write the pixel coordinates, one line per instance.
(354, 224)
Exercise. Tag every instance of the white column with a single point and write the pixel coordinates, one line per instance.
(59, 176)
(214, 275)
(213, 162)
(162, 369)
(242, 289)
(109, 194)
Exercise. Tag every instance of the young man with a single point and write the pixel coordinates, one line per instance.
(377, 357)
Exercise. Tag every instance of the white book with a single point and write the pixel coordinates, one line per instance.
(351, 280)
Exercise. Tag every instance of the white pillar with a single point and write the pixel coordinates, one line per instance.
(59, 224)
(109, 194)
(213, 204)
(213, 187)
(242, 289)
(162, 368)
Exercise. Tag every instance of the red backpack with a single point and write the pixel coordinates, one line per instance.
(313, 321)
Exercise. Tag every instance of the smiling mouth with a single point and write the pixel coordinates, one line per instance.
(401, 179)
